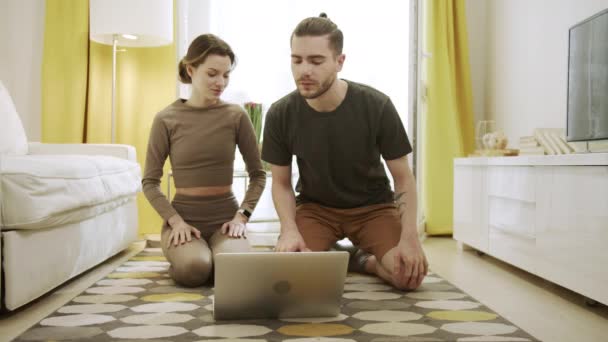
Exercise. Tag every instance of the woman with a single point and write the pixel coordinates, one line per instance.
(200, 136)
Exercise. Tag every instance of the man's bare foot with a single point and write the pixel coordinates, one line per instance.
(370, 265)
(358, 258)
(359, 261)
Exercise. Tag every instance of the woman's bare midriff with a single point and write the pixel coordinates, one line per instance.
(204, 190)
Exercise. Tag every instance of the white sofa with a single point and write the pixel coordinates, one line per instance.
(64, 208)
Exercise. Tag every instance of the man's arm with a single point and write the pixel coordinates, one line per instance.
(283, 196)
(284, 200)
(410, 262)
(405, 196)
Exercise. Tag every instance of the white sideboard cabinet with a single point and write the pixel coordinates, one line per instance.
(545, 214)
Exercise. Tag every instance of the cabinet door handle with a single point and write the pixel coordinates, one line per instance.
(503, 228)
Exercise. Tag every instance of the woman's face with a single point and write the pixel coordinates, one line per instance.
(209, 79)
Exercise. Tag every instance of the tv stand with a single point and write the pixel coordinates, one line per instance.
(545, 214)
(594, 146)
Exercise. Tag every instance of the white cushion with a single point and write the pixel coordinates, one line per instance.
(40, 191)
(12, 136)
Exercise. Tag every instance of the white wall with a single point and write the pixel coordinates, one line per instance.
(524, 44)
(21, 44)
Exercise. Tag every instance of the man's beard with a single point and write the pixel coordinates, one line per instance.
(322, 90)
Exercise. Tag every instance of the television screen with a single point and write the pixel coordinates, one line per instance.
(588, 80)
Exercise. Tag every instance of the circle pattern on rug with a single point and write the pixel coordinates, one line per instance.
(493, 339)
(134, 275)
(157, 318)
(315, 329)
(475, 328)
(142, 269)
(232, 330)
(338, 318)
(147, 331)
(78, 320)
(166, 282)
(173, 289)
(124, 282)
(462, 315)
(372, 295)
(149, 258)
(435, 295)
(115, 290)
(152, 250)
(173, 297)
(431, 280)
(377, 305)
(103, 299)
(91, 308)
(387, 316)
(165, 307)
(448, 304)
(398, 329)
(147, 263)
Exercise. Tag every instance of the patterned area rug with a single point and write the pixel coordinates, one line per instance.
(138, 302)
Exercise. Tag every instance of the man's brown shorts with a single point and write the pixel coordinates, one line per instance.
(375, 229)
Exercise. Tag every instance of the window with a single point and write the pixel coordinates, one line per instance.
(376, 43)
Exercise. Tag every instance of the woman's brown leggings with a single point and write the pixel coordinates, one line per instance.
(192, 262)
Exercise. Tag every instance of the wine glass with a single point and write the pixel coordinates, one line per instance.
(483, 127)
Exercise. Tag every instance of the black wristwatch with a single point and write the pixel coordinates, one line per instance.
(244, 212)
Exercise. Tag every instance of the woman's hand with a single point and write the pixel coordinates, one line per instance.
(181, 232)
(236, 228)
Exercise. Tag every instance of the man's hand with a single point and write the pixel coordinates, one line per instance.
(411, 265)
(181, 232)
(291, 241)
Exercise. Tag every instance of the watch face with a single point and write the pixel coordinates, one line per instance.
(245, 212)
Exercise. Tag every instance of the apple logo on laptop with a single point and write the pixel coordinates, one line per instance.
(282, 287)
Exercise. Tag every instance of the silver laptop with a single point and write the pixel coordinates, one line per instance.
(278, 285)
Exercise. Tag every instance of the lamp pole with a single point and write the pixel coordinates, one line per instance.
(113, 117)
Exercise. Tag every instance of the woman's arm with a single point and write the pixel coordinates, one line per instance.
(248, 147)
(158, 150)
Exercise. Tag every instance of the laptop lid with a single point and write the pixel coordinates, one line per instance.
(278, 285)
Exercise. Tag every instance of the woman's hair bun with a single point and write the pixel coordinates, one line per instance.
(323, 15)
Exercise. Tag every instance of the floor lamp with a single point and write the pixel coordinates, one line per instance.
(129, 23)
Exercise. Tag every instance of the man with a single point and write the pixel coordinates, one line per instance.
(338, 130)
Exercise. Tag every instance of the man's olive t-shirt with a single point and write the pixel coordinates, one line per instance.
(338, 153)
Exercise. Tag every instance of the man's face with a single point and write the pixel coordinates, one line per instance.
(314, 65)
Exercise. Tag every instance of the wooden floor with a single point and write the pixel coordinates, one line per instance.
(545, 310)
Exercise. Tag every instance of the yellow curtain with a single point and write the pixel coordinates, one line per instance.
(447, 123)
(64, 71)
(145, 84)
